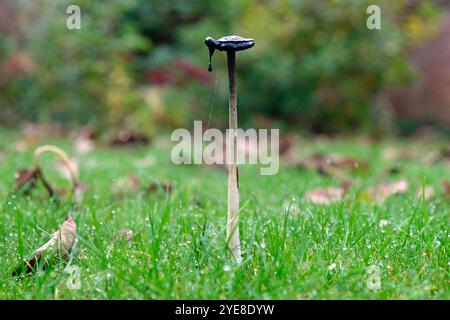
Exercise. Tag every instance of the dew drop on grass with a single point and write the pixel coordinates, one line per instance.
(227, 268)
(332, 266)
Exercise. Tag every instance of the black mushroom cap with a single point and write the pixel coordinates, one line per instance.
(229, 43)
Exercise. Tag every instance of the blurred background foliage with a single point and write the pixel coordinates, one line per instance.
(142, 64)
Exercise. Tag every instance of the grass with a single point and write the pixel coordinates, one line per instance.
(292, 249)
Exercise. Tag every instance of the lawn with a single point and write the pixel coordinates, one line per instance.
(292, 248)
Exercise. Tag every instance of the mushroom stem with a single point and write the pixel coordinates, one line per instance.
(233, 170)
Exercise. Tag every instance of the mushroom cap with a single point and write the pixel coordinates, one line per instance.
(230, 43)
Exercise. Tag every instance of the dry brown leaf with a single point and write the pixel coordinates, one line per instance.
(436, 156)
(287, 144)
(25, 144)
(59, 246)
(129, 138)
(325, 164)
(16, 64)
(83, 145)
(167, 186)
(384, 190)
(32, 134)
(25, 179)
(125, 185)
(145, 162)
(446, 186)
(124, 234)
(83, 139)
(325, 195)
(394, 153)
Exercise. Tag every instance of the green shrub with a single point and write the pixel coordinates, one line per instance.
(315, 64)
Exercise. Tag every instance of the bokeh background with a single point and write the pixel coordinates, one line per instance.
(142, 65)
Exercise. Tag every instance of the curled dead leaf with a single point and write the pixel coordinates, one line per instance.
(58, 247)
(27, 178)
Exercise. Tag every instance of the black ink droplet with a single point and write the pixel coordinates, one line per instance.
(211, 52)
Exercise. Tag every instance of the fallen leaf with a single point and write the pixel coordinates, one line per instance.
(325, 195)
(16, 64)
(167, 186)
(66, 166)
(394, 153)
(287, 144)
(124, 234)
(437, 156)
(145, 162)
(59, 246)
(326, 164)
(125, 185)
(446, 186)
(83, 139)
(129, 138)
(384, 190)
(25, 144)
(25, 179)
(83, 145)
(33, 133)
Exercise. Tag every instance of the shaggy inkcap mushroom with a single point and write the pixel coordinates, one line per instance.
(231, 44)
(228, 43)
